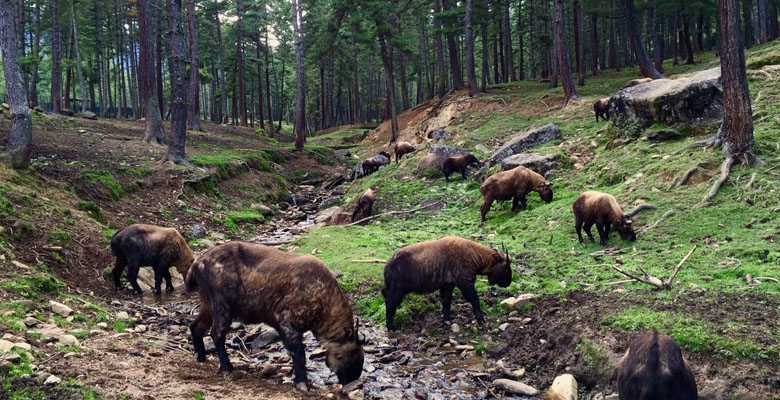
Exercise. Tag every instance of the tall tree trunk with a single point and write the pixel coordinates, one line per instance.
(134, 72)
(687, 38)
(156, 12)
(470, 71)
(774, 28)
(737, 127)
(193, 119)
(402, 72)
(645, 65)
(300, 72)
(355, 88)
(563, 54)
(78, 59)
(17, 153)
(178, 59)
(747, 12)
(439, 49)
(613, 54)
(267, 79)
(485, 69)
(578, 46)
(260, 115)
(508, 58)
(69, 70)
(761, 15)
(700, 32)
(150, 106)
(657, 56)
(240, 62)
(520, 40)
(222, 79)
(33, 96)
(452, 50)
(594, 45)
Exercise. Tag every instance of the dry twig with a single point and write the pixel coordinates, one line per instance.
(394, 213)
(652, 280)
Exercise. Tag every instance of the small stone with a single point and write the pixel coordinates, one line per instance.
(462, 347)
(455, 328)
(527, 320)
(23, 346)
(515, 387)
(503, 326)
(31, 322)
(197, 231)
(68, 340)
(52, 380)
(564, 387)
(508, 303)
(13, 358)
(140, 328)
(102, 325)
(5, 346)
(356, 394)
(60, 309)
(348, 388)
(122, 315)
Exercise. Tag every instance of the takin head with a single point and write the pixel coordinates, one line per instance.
(625, 227)
(346, 358)
(545, 191)
(500, 270)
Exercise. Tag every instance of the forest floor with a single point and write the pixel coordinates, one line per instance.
(90, 178)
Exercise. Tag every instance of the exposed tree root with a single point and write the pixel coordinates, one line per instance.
(685, 177)
(651, 226)
(725, 169)
(752, 179)
(656, 282)
(640, 208)
(761, 73)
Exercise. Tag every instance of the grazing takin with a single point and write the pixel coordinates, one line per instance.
(514, 184)
(363, 206)
(603, 210)
(635, 82)
(148, 245)
(293, 293)
(459, 163)
(443, 265)
(401, 149)
(600, 108)
(654, 368)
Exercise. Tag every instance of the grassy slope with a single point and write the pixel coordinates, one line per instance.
(542, 238)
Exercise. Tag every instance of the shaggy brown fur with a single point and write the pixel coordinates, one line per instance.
(514, 184)
(363, 205)
(603, 210)
(401, 149)
(153, 246)
(600, 109)
(654, 368)
(635, 82)
(459, 163)
(443, 265)
(293, 293)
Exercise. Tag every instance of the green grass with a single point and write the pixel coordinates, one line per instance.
(235, 219)
(33, 287)
(112, 189)
(137, 172)
(228, 162)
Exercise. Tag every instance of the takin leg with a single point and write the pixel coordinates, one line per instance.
(119, 266)
(471, 296)
(463, 173)
(602, 235)
(168, 282)
(198, 328)
(133, 265)
(446, 301)
(221, 319)
(578, 227)
(392, 301)
(293, 342)
(606, 230)
(515, 203)
(587, 230)
(486, 206)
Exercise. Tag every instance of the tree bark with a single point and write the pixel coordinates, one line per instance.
(193, 117)
(485, 67)
(687, 38)
(387, 61)
(508, 59)
(578, 46)
(763, 33)
(402, 71)
(737, 127)
(150, 105)
(222, 79)
(157, 13)
(56, 71)
(33, 93)
(645, 65)
(267, 79)
(260, 115)
(657, 56)
(774, 28)
(470, 69)
(452, 50)
(520, 40)
(17, 153)
(300, 72)
(240, 62)
(570, 92)
(441, 82)
(79, 73)
(178, 59)
(594, 45)
(747, 19)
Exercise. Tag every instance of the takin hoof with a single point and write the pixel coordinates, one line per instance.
(169, 289)
(302, 386)
(201, 357)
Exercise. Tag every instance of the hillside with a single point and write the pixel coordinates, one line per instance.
(90, 178)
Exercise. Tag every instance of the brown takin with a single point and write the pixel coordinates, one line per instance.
(363, 206)
(401, 149)
(443, 265)
(654, 368)
(600, 109)
(148, 245)
(635, 82)
(514, 184)
(603, 210)
(293, 293)
(459, 163)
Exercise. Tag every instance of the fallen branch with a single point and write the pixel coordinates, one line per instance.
(607, 252)
(639, 208)
(394, 213)
(725, 169)
(651, 226)
(52, 248)
(619, 282)
(652, 280)
(752, 179)
(766, 278)
(679, 265)
(375, 261)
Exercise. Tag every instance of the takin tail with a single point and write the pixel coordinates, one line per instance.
(190, 282)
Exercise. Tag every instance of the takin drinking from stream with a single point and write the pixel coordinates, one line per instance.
(149, 245)
(363, 205)
(402, 149)
(459, 163)
(654, 368)
(514, 184)
(443, 265)
(293, 293)
(603, 210)
(600, 109)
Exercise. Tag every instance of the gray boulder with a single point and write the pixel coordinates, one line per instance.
(437, 153)
(539, 163)
(526, 140)
(439, 135)
(343, 153)
(197, 231)
(662, 135)
(88, 115)
(360, 171)
(695, 100)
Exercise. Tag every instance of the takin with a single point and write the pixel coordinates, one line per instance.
(600, 108)
(635, 82)
(402, 149)
(603, 210)
(514, 184)
(292, 293)
(654, 368)
(371, 164)
(363, 206)
(459, 163)
(148, 245)
(443, 265)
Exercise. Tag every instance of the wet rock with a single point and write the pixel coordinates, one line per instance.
(515, 387)
(52, 380)
(49, 330)
(481, 148)
(264, 339)
(525, 141)
(60, 309)
(122, 315)
(68, 340)
(5, 346)
(694, 100)
(13, 358)
(327, 215)
(439, 135)
(564, 387)
(359, 172)
(197, 231)
(662, 135)
(348, 388)
(329, 202)
(539, 163)
(31, 322)
(140, 328)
